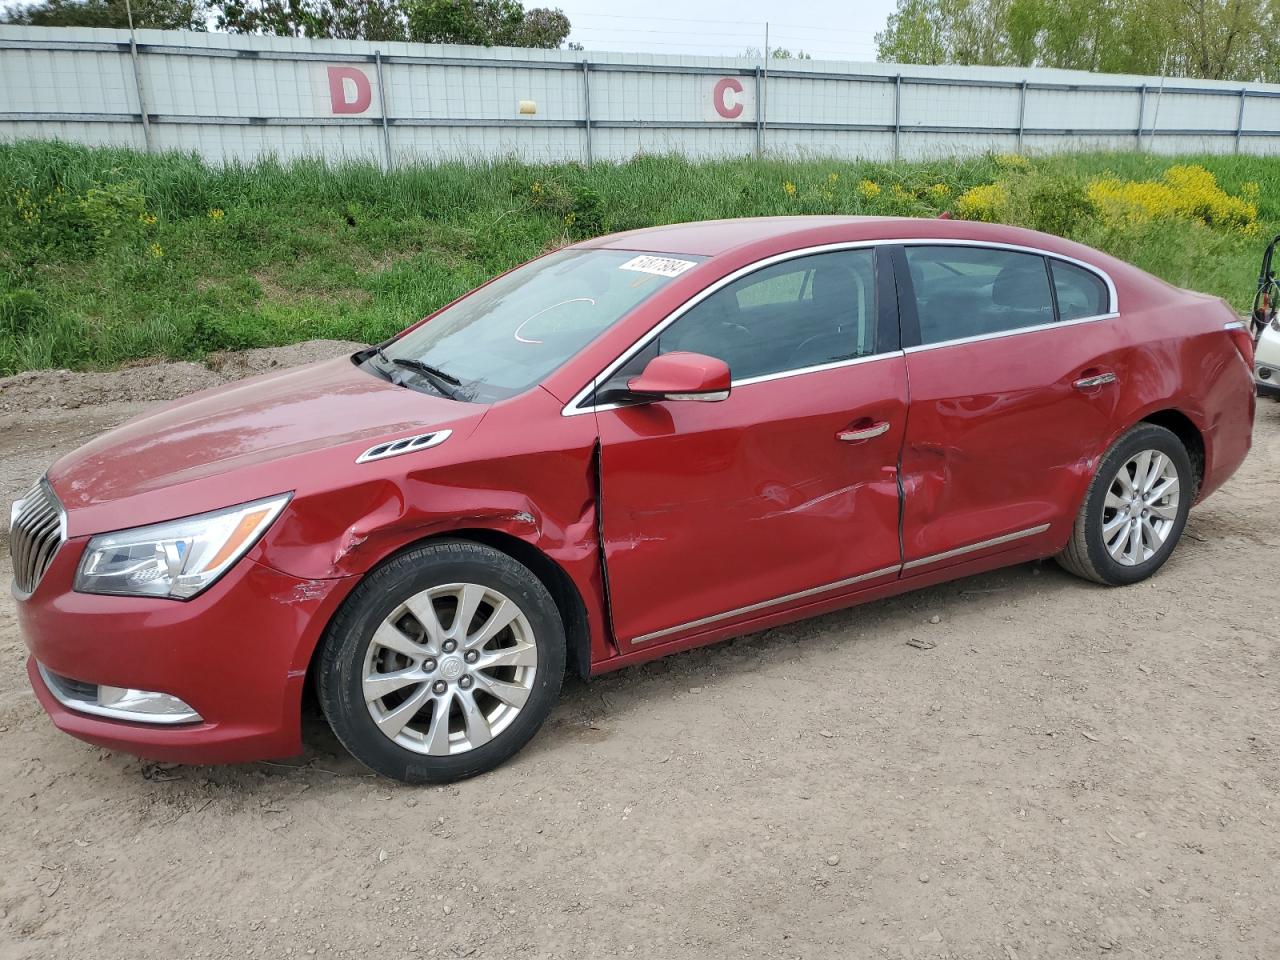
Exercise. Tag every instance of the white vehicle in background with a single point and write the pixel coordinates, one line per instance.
(1266, 360)
(1265, 327)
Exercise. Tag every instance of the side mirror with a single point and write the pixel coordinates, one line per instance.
(682, 376)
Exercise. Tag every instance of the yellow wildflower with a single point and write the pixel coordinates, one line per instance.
(216, 214)
(989, 202)
(789, 188)
(868, 189)
(1185, 192)
(156, 250)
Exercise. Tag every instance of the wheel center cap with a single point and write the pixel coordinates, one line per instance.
(451, 668)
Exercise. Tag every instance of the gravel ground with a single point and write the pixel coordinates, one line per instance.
(1070, 771)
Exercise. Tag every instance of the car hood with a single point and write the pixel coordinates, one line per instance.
(235, 443)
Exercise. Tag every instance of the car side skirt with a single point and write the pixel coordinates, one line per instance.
(1043, 544)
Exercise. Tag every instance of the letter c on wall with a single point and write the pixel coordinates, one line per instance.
(339, 90)
(727, 98)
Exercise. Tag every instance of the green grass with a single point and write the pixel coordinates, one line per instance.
(303, 250)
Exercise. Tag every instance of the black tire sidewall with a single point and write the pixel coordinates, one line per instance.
(1144, 437)
(347, 639)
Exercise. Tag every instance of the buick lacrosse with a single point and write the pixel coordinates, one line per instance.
(631, 446)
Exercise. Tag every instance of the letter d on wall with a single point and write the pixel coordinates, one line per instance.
(349, 90)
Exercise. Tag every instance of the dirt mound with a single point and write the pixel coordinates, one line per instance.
(39, 390)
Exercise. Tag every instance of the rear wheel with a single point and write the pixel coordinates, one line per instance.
(443, 663)
(1135, 510)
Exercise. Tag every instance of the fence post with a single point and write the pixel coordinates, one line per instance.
(382, 108)
(1022, 113)
(1244, 92)
(586, 104)
(1142, 112)
(137, 78)
(897, 116)
(759, 114)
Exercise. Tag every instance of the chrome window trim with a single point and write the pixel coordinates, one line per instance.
(849, 581)
(572, 408)
(1001, 334)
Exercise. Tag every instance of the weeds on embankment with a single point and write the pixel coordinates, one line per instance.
(108, 256)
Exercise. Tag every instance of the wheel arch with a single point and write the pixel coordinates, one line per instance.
(1190, 435)
(564, 592)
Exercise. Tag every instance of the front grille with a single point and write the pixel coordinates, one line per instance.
(35, 535)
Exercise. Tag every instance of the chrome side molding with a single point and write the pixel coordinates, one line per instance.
(763, 605)
(828, 587)
(980, 545)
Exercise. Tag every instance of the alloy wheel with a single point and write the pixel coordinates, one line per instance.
(449, 669)
(1141, 508)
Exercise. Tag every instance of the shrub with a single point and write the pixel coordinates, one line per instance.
(1186, 192)
(988, 202)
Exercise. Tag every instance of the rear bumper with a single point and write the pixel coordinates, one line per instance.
(237, 654)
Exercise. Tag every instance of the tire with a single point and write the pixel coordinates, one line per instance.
(504, 686)
(1087, 554)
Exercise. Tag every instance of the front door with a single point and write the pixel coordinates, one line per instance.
(718, 512)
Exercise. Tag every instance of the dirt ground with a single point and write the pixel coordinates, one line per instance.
(1071, 771)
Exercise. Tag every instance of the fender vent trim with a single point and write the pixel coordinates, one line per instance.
(394, 448)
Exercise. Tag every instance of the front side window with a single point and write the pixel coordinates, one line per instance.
(798, 313)
(963, 291)
(507, 336)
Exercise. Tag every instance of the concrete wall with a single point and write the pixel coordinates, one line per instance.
(237, 98)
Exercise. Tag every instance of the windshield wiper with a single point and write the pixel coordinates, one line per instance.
(444, 382)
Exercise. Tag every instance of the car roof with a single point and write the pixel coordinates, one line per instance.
(764, 235)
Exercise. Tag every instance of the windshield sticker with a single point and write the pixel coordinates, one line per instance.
(660, 266)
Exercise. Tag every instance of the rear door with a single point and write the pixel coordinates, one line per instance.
(1012, 358)
(787, 490)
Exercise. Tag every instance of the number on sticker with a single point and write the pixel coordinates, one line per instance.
(662, 266)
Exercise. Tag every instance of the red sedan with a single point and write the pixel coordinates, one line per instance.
(632, 446)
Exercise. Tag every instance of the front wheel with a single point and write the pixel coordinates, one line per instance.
(442, 664)
(1134, 512)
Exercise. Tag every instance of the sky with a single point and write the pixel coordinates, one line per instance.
(827, 29)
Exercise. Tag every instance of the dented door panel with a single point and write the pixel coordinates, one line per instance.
(712, 507)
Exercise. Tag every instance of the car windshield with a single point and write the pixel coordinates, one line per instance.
(509, 335)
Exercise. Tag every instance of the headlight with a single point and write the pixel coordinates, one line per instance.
(176, 559)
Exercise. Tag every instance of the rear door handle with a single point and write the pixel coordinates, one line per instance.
(857, 434)
(1097, 380)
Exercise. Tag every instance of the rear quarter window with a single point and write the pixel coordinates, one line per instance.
(1080, 292)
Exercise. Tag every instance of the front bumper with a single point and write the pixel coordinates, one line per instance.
(237, 655)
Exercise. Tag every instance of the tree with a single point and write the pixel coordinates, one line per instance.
(1214, 39)
(486, 23)
(337, 19)
(149, 14)
(775, 53)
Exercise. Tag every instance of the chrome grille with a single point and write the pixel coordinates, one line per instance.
(36, 531)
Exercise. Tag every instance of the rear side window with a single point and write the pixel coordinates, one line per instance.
(963, 291)
(795, 314)
(1080, 292)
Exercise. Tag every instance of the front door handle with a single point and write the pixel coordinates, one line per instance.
(858, 434)
(1097, 380)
